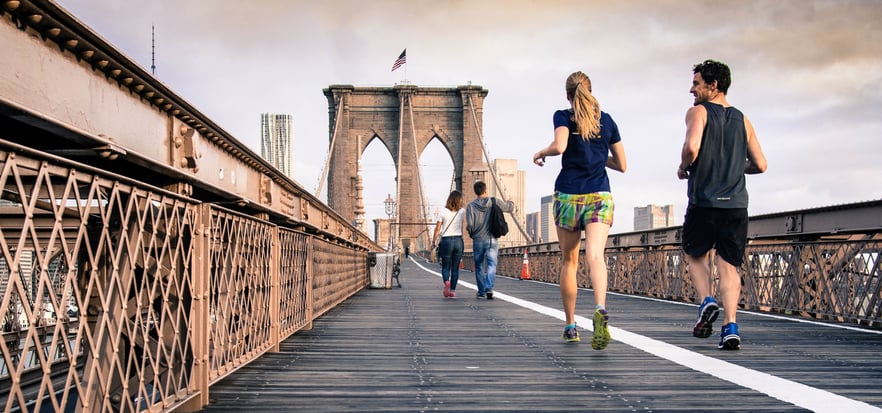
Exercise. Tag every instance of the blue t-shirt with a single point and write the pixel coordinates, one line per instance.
(583, 164)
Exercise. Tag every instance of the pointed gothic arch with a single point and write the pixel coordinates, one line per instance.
(447, 151)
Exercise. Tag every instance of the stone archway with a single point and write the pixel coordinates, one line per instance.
(405, 119)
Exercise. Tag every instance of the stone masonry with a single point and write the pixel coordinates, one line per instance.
(405, 118)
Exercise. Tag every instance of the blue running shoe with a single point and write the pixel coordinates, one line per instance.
(729, 338)
(707, 313)
(570, 334)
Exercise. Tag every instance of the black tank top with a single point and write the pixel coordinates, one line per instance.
(716, 178)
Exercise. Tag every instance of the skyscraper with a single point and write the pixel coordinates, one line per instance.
(653, 216)
(275, 140)
(514, 183)
(546, 219)
(533, 227)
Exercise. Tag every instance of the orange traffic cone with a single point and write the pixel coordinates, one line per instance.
(525, 267)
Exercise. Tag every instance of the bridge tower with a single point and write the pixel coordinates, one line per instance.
(405, 118)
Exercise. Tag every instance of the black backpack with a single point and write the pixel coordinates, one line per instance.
(498, 226)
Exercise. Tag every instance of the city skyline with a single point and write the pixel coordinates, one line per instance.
(803, 72)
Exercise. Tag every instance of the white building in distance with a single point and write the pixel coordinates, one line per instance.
(653, 216)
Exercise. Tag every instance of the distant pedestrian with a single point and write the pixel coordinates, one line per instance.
(589, 141)
(485, 247)
(448, 239)
(720, 148)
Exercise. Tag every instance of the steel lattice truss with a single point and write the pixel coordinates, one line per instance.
(836, 280)
(115, 296)
(96, 290)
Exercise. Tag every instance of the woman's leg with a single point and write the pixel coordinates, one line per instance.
(595, 244)
(569, 251)
(596, 234)
(444, 251)
(456, 258)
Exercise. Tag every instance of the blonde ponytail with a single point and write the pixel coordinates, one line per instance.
(586, 110)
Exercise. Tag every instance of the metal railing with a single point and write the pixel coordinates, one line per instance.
(118, 296)
(833, 275)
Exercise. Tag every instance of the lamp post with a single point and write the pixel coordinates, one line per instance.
(390, 211)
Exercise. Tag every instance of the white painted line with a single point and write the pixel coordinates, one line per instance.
(801, 395)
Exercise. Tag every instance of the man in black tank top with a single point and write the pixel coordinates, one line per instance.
(721, 147)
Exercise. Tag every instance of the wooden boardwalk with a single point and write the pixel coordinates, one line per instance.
(410, 350)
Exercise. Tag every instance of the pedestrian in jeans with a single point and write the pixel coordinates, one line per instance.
(720, 148)
(589, 142)
(484, 247)
(449, 231)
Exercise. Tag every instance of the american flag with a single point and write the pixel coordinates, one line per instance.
(402, 59)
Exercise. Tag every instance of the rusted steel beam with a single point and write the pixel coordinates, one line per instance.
(96, 106)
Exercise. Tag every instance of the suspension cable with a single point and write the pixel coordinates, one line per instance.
(423, 204)
(331, 149)
(493, 173)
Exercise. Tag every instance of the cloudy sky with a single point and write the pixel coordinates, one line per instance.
(806, 72)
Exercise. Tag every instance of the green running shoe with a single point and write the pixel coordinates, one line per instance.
(601, 331)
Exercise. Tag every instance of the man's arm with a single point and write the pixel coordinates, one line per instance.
(507, 206)
(696, 118)
(756, 160)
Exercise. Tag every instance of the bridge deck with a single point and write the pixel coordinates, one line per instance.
(411, 350)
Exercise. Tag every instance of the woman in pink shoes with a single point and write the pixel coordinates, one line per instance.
(449, 231)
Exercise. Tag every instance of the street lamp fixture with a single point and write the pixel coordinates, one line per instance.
(390, 211)
(390, 205)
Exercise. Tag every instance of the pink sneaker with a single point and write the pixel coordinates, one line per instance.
(452, 294)
(447, 288)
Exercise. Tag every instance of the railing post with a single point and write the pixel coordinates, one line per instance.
(200, 315)
(310, 274)
(275, 291)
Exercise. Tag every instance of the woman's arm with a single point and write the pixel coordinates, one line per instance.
(617, 160)
(437, 230)
(556, 147)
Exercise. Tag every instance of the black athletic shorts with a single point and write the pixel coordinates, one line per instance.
(720, 228)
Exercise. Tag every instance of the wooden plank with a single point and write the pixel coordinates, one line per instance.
(409, 350)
